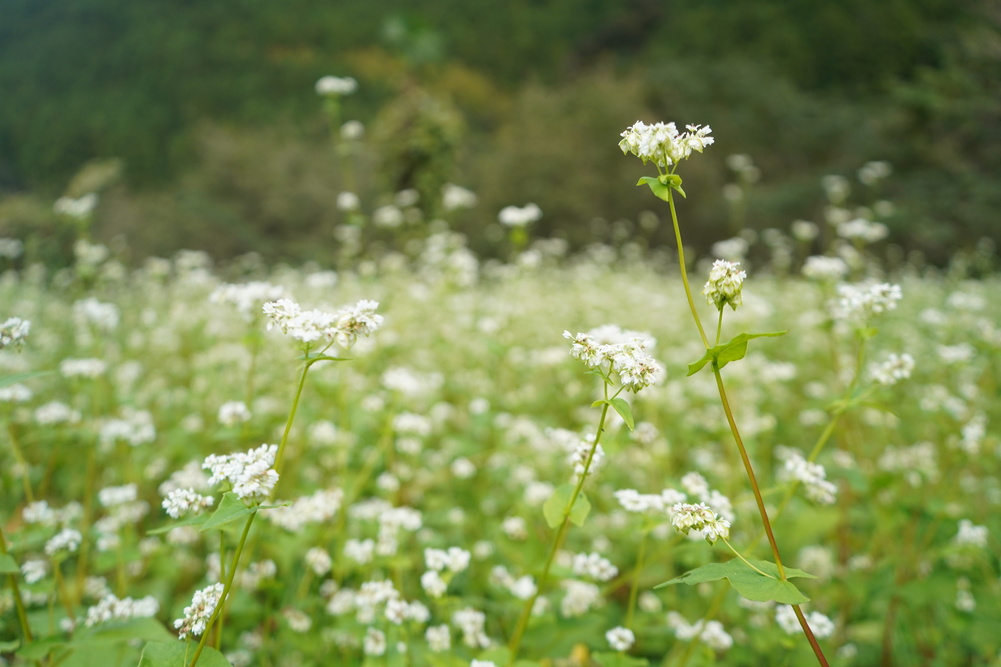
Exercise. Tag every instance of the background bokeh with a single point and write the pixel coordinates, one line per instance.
(199, 126)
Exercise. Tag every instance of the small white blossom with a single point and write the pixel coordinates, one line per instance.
(687, 517)
(620, 639)
(183, 501)
(514, 216)
(662, 144)
(13, 332)
(725, 284)
(335, 86)
(893, 370)
(232, 413)
(251, 474)
(197, 614)
(66, 540)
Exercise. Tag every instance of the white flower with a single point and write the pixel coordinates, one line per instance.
(251, 474)
(111, 608)
(894, 369)
(232, 413)
(662, 144)
(724, 284)
(439, 638)
(348, 201)
(13, 332)
(514, 216)
(825, 269)
(971, 534)
(318, 560)
(620, 639)
(687, 517)
(246, 297)
(342, 327)
(197, 614)
(454, 197)
(67, 540)
(182, 501)
(595, 566)
(334, 86)
(76, 208)
(625, 351)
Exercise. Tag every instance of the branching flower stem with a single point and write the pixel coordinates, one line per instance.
(230, 574)
(736, 436)
(526, 612)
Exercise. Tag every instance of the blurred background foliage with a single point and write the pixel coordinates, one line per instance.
(223, 145)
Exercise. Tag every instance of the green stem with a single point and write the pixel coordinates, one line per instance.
(291, 416)
(746, 562)
(526, 612)
(16, 590)
(719, 325)
(22, 463)
(684, 270)
(634, 590)
(764, 514)
(225, 591)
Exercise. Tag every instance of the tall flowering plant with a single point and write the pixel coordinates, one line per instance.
(666, 147)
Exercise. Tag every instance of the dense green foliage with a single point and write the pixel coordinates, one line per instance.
(544, 87)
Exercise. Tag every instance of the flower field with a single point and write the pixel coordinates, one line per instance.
(405, 509)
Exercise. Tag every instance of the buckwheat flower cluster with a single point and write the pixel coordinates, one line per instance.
(251, 474)
(439, 638)
(342, 327)
(725, 283)
(197, 614)
(471, 623)
(88, 368)
(104, 316)
(246, 297)
(970, 534)
(580, 598)
(687, 517)
(620, 639)
(893, 370)
(67, 540)
(595, 566)
(811, 475)
(335, 86)
(641, 503)
(135, 428)
(662, 144)
(578, 458)
(454, 197)
(862, 302)
(111, 608)
(232, 413)
(522, 587)
(514, 216)
(34, 570)
(821, 625)
(625, 351)
(711, 633)
(454, 559)
(13, 332)
(319, 507)
(184, 501)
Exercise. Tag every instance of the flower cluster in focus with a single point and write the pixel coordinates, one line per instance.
(342, 327)
(662, 144)
(625, 351)
(725, 283)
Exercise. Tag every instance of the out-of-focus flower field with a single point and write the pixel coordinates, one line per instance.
(409, 524)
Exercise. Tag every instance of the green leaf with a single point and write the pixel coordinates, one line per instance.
(9, 647)
(179, 654)
(147, 629)
(196, 520)
(733, 350)
(8, 380)
(8, 565)
(230, 509)
(556, 505)
(39, 649)
(619, 660)
(659, 190)
(622, 406)
(747, 582)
